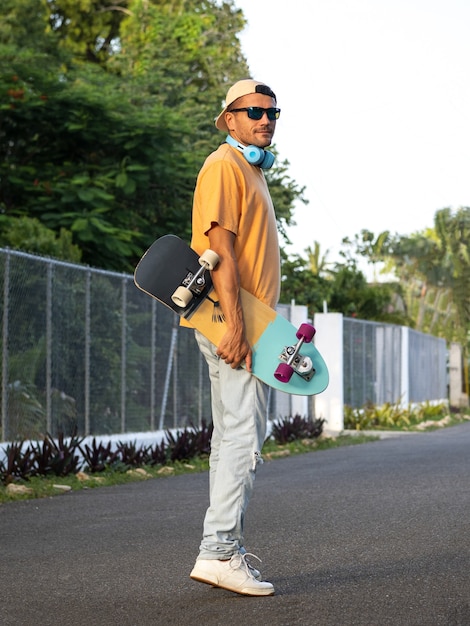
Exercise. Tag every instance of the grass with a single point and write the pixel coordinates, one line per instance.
(47, 487)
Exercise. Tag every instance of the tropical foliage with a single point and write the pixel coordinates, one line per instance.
(433, 272)
(339, 287)
(107, 114)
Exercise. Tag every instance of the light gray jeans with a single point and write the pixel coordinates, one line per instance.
(239, 403)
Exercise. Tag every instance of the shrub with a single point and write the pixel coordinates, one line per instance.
(189, 443)
(58, 458)
(390, 415)
(158, 454)
(98, 457)
(297, 427)
(41, 459)
(18, 464)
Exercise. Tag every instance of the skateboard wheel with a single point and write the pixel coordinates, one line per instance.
(283, 373)
(209, 259)
(306, 332)
(182, 297)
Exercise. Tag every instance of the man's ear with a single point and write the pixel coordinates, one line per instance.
(229, 120)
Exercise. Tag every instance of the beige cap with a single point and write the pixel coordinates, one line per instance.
(239, 89)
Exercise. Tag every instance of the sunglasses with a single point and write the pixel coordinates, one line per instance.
(256, 113)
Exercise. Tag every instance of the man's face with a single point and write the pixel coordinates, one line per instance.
(247, 131)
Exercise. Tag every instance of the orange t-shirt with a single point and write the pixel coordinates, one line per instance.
(234, 194)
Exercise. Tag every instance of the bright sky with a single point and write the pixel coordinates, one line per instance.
(375, 99)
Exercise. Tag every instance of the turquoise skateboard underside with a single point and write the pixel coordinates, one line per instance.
(278, 334)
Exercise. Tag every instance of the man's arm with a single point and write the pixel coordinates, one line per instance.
(234, 348)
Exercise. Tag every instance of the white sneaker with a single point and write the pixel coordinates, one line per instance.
(234, 575)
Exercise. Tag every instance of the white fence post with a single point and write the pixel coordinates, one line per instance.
(457, 397)
(329, 405)
(405, 366)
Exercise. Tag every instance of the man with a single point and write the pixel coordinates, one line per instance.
(233, 215)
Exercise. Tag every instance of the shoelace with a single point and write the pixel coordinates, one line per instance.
(242, 560)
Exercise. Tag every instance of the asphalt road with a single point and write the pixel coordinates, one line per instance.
(372, 534)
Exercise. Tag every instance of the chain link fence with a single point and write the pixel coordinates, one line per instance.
(84, 348)
(381, 361)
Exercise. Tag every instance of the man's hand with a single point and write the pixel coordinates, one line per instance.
(234, 348)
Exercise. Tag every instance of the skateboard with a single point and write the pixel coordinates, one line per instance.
(284, 357)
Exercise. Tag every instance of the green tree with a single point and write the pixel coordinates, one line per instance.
(353, 296)
(433, 268)
(317, 261)
(89, 29)
(25, 21)
(299, 283)
(312, 281)
(106, 121)
(78, 157)
(453, 232)
(30, 235)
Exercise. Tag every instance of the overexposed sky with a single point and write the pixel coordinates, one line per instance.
(375, 99)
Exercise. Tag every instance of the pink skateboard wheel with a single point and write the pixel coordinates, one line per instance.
(306, 332)
(283, 373)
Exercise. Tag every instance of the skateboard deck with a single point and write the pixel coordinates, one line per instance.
(284, 357)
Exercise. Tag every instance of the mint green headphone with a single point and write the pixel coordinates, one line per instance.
(253, 154)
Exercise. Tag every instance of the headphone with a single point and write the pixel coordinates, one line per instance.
(253, 154)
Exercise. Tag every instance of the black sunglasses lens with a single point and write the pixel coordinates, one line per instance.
(256, 113)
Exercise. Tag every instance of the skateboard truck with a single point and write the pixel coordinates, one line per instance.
(193, 284)
(293, 360)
